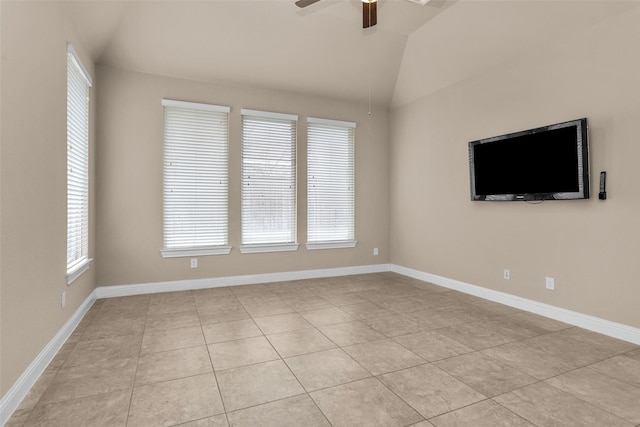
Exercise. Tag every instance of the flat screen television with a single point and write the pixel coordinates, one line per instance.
(545, 163)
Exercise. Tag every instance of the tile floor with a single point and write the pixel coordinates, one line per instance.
(369, 350)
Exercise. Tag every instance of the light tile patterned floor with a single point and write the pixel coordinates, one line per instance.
(369, 350)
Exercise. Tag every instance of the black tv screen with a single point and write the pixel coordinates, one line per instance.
(546, 163)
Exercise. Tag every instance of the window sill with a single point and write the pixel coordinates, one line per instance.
(331, 245)
(77, 270)
(195, 251)
(273, 247)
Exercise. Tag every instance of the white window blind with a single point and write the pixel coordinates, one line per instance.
(330, 181)
(78, 83)
(195, 179)
(268, 178)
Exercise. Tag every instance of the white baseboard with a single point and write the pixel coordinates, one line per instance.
(216, 282)
(592, 323)
(11, 400)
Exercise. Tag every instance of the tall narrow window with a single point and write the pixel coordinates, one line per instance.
(78, 84)
(268, 181)
(195, 179)
(330, 184)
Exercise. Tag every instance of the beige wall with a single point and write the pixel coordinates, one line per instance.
(129, 180)
(415, 190)
(590, 247)
(33, 177)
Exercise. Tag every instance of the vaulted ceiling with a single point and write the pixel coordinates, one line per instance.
(322, 50)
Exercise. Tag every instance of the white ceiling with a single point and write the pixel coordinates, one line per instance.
(319, 50)
(322, 50)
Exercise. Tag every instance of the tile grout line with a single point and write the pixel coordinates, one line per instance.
(213, 371)
(282, 299)
(135, 374)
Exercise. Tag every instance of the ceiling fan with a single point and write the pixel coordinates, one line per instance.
(369, 10)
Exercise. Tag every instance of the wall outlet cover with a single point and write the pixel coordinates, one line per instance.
(550, 283)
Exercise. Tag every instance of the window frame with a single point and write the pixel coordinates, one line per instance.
(79, 85)
(338, 242)
(251, 245)
(194, 249)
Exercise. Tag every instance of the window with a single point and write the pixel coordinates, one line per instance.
(330, 184)
(195, 179)
(268, 182)
(78, 84)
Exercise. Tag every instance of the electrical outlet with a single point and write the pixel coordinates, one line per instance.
(550, 283)
(194, 262)
(375, 251)
(507, 275)
(63, 299)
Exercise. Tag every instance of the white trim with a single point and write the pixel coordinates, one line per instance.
(196, 106)
(269, 114)
(187, 252)
(592, 323)
(328, 122)
(216, 282)
(312, 246)
(12, 399)
(269, 247)
(77, 270)
(83, 69)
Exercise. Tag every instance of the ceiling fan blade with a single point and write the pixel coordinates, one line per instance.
(369, 14)
(305, 3)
